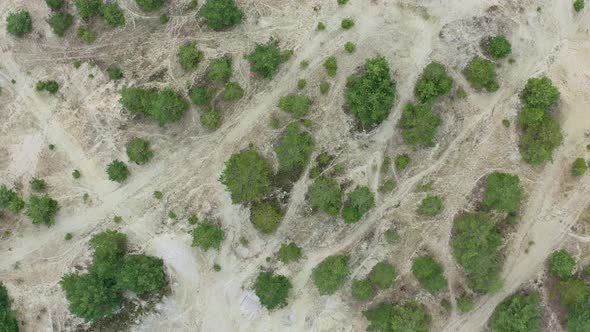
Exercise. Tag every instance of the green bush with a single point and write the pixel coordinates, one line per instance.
(142, 274)
(431, 206)
(539, 93)
(202, 95)
(519, 313)
(266, 59)
(55, 4)
(429, 273)
(50, 86)
(138, 150)
(298, 105)
(114, 73)
(391, 235)
(498, 47)
(38, 184)
(324, 87)
(272, 290)
(150, 5)
(189, 56)
(76, 174)
(433, 83)
(475, 245)
(503, 192)
(266, 216)
(247, 176)
(233, 91)
(321, 26)
(219, 70)
(350, 47)
(540, 138)
(42, 209)
(388, 186)
(113, 14)
(60, 22)
(579, 5)
(383, 275)
(88, 8)
(342, 2)
(331, 66)
(573, 293)
(402, 161)
(325, 194)
(370, 95)
(88, 36)
(362, 290)
(465, 303)
(221, 14)
(289, 253)
(359, 202)
(419, 124)
(301, 84)
(10, 200)
(406, 317)
(347, 23)
(117, 171)
(579, 167)
(208, 236)
(90, 297)
(8, 322)
(331, 274)
(578, 320)
(20, 23)
(561, 264)
(481, 74)
(163, 106)
(294, 150)
(211, 119)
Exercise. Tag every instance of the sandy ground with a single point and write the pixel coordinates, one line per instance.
(86, 124)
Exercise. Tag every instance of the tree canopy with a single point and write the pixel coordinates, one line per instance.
(561, 264)
(19, 23)
(8, 322)
(247, 176)
(272, 290)
(266, 216)
(142, 274)
(406, 317)
(498, 47)
(383, 275)
(60, 22)
(164, 106)
(503, 192)
(150, 5)
(289, 253)
(419, 124)
(117, 171)
(519, 313)
(138, 150)
(42, 209)
(88, 8)
(433, 83)
(266, 59)
(294, 150)
(220, 69)
(431, 206)
(208, 236)
(325, 195)
(429, 273)
(221, 14)
(296, 104)
(189, 56)
(540, 93)
(10, 200)
(359, 202)
(482, 74)
(362, 290)
(331, 274)
(113, 14)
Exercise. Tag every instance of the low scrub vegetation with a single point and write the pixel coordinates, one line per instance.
(433, 83)
(561, 264)
(113, 14)
(289, 253)
(482, 74)
(519, 313)
(42, 209)
(150, 5)
(266, 59)
(419, 125)
(325, 195)
(298, 105)
(294, 151)
(247, 176)
(19, 23)
(272, 290)
(429, 273)
(117, 171)
(409, 316)
(50, 86)
(208, 236)
(164, 106)
(221, 14)
(331, 274)
(503, 192)
(498, 47)
(10, 200)
(88, 8)
(579, 167)
(60, 22)
(220, 70)
(383, 275)
(266, 216)
(359, 202)
(431, 206)
(189, 56)
(138, 151)
(8, 322)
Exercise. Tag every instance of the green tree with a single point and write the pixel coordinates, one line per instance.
(325, 194)
(266, 216)
(10, 200)
(298, 105)
(88, 8)
(429, 273)
(272, 290)
(90, 297)
(383, 275)
(19, 23)
(189, 56)
(561, 264)
(359, 202)
(579, 167)
(233, 91)
(219, 70)
(294, 150)
(38, 184)
(465, 303)
(163, 106)
(113, 14)
(481, 74)
(212, 118)
(117, 171)
(289, 253)
(202, 95)
(55, 4)
(266, 59)
(350, 47)
(8, 322)
(150, 5)
(433, 83)
(138, 150)
(539, 93)
(142, 274)
(114, 73)
(402, 161)
(42, 209)
(419, 124)
(247, 176)
(50, 86)
(431, 206)
(475, 246)
(208, 236)
(347, 23)
(573, 293)
(109, 249)
(331, 66)
(503, 192)
(519, 313)
(362, 290)
(60, 22)
(331, 274)
(221, 14)
(370, 94)
(498, 47)
(540, 139)
(406, 317)
(578, 5)
(87, 35)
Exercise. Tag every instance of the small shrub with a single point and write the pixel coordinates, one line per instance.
(42, 209)
(211, 119)
(219, 70)
(266, 59)
(465, 303)
(383, 275)
(388, 186)
(298, 105)
(88, 36)
(325, 194)
(10, 200)
(208, 236)
(561, 264)
(158, 194)
(289, 253)
(216, 267)
(331, 274)
(506, 123)
(433, 83)
(202, 95)
(266, 216)
(68, 236)
(193, 219)
(247, 176)
(117, 219)
(573, 293)
(149, 5)
(342, 2)
(539, 93)
(321, 26)
(481, 74)
(164, 19)
(138, 151)
(359, 202)
(402, 161)
(114, 73)
(294, 150)
(407, 317)
(60, 22)
(51, 147)
(55, 4)
(431, 206)
(579, 167)
(347, 23)
(578, 5)
(113, 14)
(301, 84)
(76, 174)
(272, 290)
(519, 313)
(461, 93)
(350, 47)
(362, 290)
(503, 192)
(221, 14)
(304, 64)
(117, 171)
(19, 23)
(88, 8)
(391, 235)
(331, 66)
(498, 47)
(38, 184)
(189, 56)
(324, 87)
(419, 125)
(50, 86)
(429, 273)
(233, 91)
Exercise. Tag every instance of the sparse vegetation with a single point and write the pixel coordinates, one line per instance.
(519, 313)
(388, 186)
(88, 36)
(433, 83)
(325, 195)
(402, 161)
(50, 86)
(55, 4)
(8, 322)
(301, 84)
(324, 87)
(266, 59)
(561, 264)
(321, 26)
(117, 171)
(391, 235)
(233, 91)
(481, 74)
(419, 125)
(189, 56)
(362, 290)
(431, 206)
(211, 119)
(465, 303)
(208, 236)
(247, 176)
(347, 23)
(298, 105)
(331, 66)
(19, 23)
(289, 253)
(60, 22)
(38, 184)
(359, 202)
(114, 73)
(429, 273)
(350, 47)
(331, 274)
(202, 95)
(10, 200)
(221, 14)
(503, 192)
(579, 5)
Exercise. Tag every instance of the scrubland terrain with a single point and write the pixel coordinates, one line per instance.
(86, 123)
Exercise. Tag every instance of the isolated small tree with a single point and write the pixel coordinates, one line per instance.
(272, 290)
(113, 14)
(221, 14)
(359, 202)
(391, 235)
(383, 275)
(266, 216)
(362, 290)
(150, 5)
(431, 206)
(189, 56)
(90, 297)
(342, 2)
(142, 274)
(117, 171)
(233, 91)
(212, 118)
(88, 36)
(321, 26)
(498, 47)
(50, 86)
(55, 4)
(579, 167)
(42, 209)
(10, 200)
(114, 73)
(503, 192)
(88, 8)
(38, 184)
(294, 150)
(429, 273)
(481, 74)
(220, 69)
(167, 106)
(419, 125)
(407, 317)
(331, 274)
(247, 176)
(325, 194)
(202, 95)
(519, 313)
(298, 105)
(539, 93)
(402, 161)
(266, 59)
(331, 66)
(465, 303)
(578, 5)
(350, 47)
(347, 23)
(60, 22)
(19, 23)
(433, 83)
(138, 150)
(289, 253)
(208, 236)
(561, 264)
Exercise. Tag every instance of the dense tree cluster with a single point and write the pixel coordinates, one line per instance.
(272, 290)
(19, 23)
(221, 14)
(407, 317)
(433, 83)
(331, 274)
(503, 192)
(266, 59)
(519, 313)
(163, 106)
(419, 124)
(429, 273)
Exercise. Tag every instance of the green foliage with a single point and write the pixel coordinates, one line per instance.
(266, 216)
(406, 317)
(429, 273)
(419, 124)
(219, 70)
(391, 235)
(362, 290)
(506, 123)
(113, 14)
(347, 23)
(579, 167)
(325, 194)
(164, 19)
(87, 35)
(50, 86)
(60, 22)
(465, 303)
(579, 5)
(481, 74)
(159, 195)
(294, 150)
(208, 236)
(324, 87)
(88, 8)
(541, 135)
(114, 73)
(10, 200)
(561, 264)
(388, 186)
(475, 246)
(383, 275)
(211, 119)
(38, 184)
(233, 91)
(142, 274)
(289, 253)
(189, 56)
(370, 95)
(150, 5)
(68, 236)
(331, 274)
(221, 14)
(90, 297)
(266, 59)
(138, 150)
(216, 267)
(8, 322)
(247, 176)
(519, 313)
(55, 4)
(202, 95)
(117, 171)
(42, 209)
(498, 47)
(298, 105)
(359, 202)
(272, 290)
(578, 320)
(461, 93)
(342, 2)
(431, 206)
(402, 161)
(301, 84)
(350, 47)
(304, 64)
(433, 83)
(503, 192)
(163, 106)
(573, 293)
(539, 93)
(19, 23)
(331, 66)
